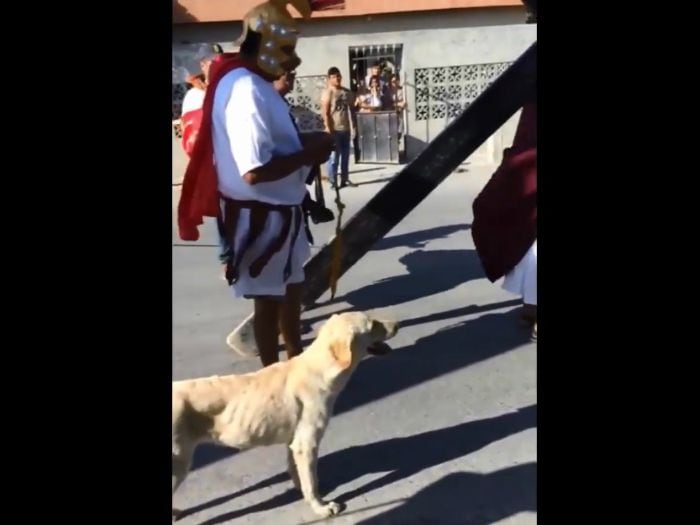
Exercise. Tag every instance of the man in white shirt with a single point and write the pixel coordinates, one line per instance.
(262, 168)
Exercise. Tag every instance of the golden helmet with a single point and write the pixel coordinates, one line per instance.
(278, 32)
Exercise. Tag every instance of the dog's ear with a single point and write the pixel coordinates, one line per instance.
(342, 352)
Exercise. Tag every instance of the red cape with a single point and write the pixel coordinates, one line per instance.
(200, 187)
(191, 122)
(505, 212)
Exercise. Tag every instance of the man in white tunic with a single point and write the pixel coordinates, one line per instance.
(261, 168)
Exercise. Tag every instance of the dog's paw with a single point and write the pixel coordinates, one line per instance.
(329, 509)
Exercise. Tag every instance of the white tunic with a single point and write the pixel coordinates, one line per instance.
(251, 125)
(522, 280)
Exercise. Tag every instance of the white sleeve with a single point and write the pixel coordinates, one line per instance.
(193, 100)
(248, 126)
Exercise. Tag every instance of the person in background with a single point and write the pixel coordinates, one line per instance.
(396, 100)
(192, 106)
(338, 112)
(191, 121)
(374, 99)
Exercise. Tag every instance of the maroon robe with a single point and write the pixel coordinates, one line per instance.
(505, 212)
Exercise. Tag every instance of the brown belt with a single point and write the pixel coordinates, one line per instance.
(259, 212)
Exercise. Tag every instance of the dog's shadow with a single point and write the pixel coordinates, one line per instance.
(210, 453)
(399, 458)
(287, 497)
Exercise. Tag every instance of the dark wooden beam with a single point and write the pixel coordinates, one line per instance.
(414, 183)
(418, 179)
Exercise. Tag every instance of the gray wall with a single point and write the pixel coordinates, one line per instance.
(433, 39)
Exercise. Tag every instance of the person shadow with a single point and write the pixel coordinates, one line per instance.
(468, 498)
(432, 356)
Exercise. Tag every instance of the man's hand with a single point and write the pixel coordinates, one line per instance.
(316, 150)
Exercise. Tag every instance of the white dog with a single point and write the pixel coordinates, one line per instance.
(289, 402)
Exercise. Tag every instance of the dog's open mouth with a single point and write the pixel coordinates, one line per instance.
(379, 348)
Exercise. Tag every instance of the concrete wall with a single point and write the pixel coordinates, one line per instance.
(433, 39)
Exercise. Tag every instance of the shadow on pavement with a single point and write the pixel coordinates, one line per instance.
(403, 457)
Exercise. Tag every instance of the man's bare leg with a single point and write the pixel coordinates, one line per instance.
(290, 319)
(264, 326)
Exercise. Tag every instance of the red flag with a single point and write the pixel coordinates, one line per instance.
(200, 195)
(191, 122)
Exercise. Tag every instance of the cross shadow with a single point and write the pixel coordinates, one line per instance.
(401, 458)
(429, 273)
(420, 238)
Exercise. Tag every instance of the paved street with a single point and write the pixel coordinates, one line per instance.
(441, 431)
